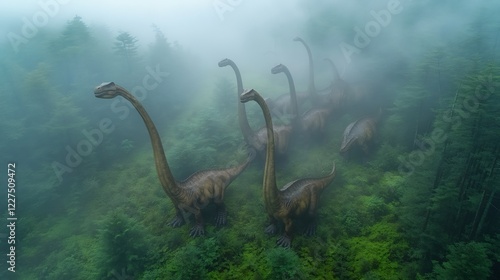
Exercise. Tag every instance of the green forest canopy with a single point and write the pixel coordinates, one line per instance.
(424, 205)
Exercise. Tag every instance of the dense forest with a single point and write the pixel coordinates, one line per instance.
(423, 201)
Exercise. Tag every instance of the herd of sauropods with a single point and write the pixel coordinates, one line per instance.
(295, 199)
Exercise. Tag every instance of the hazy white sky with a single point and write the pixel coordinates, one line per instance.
(259, 31)
(189, 22)
(209, 26)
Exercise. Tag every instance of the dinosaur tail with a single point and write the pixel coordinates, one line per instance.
(329, 178)
(234, 171)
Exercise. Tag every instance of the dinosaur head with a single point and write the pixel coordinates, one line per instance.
(106, 90)
(297, 39)
(278, 69)
(224, 62)
(248, 95)
(346, 144)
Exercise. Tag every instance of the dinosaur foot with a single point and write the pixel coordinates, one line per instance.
(197, 230)
(311, 229)
(284, 241)
(271, 229)
(177, 221)
(221, 218)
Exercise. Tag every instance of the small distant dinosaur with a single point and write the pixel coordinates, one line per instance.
(313, 121)
(297, 198)
(318, 100)
(360, 132)
(257, 140)
(340, 89)
(192, 194)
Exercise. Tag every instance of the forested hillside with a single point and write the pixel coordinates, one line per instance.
(422, 201)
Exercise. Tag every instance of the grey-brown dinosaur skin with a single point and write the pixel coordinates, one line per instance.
(188, 196)
(359, 133)
(311, 122)
(257, 140)
(311, 88)
(331, 101)
(297, 198)
(340, 90)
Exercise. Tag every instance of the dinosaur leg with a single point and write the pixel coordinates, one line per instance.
(199, 228)
(272, 228)
(221, 218)
(311, 227)
(178, 220)
(285, 240)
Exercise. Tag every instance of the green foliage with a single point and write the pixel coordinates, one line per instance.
(352, 222)
(68, 268)
(125, 45)
(160, 50)
(391, 187)
(446, 195)
(374, 207)
(386, 155)
(194, 261)
(217, 137)
(379, 252)
(374, 222)
(123, 245)
(225, 97)
(343, 258)
(73, 43)
(283, 263)
(464, 261)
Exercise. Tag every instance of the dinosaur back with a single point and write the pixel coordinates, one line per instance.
(350, 134)
(281, 138)
(299, 186)
(361, 130)
(216, 177)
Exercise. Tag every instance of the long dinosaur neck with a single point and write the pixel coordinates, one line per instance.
(164, 174)
(293, 95)
(269, 184)
(336, 74)
(312, 88)
(247, 131)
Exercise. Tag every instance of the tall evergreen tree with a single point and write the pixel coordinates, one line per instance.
(73, 55)
(125, 46)
(465, 261)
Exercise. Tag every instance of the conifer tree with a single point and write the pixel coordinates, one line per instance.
(125, 46)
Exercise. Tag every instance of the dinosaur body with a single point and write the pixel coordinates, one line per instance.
(282, 135)
(359, 132)
(192, 194)
(340, 89)
(282, 105)
(311, 122)
(323, 104)
(257, 140)
(296, 198)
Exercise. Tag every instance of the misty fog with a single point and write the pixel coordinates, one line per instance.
(258, 34)
(417, 200)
